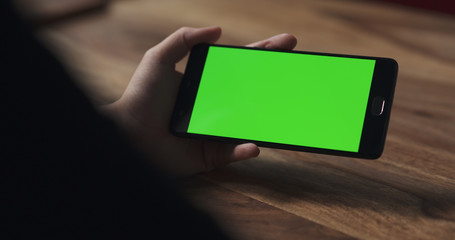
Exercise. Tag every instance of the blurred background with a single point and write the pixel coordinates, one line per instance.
(102, 41)
(409, 193)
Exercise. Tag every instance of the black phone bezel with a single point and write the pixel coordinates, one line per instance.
(375, 126)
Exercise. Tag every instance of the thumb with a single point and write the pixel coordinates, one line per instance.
(178, 44)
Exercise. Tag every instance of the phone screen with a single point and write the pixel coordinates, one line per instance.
(283, 97)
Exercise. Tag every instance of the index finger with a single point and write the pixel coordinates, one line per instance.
(178, 44)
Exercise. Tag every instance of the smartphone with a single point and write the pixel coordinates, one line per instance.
(305, 101)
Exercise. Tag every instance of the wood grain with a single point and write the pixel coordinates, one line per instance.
(246, 218)
(409, 193)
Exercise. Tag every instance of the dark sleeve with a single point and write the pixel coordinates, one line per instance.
(67, 172)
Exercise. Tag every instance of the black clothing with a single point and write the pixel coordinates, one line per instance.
(66, 171)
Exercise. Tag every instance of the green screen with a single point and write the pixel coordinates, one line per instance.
(289, 98)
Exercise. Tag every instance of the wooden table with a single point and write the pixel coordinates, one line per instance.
(409, 193)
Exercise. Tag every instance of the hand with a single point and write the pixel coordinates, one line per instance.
(145, 108)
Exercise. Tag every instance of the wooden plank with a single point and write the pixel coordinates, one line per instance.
(352, 196)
